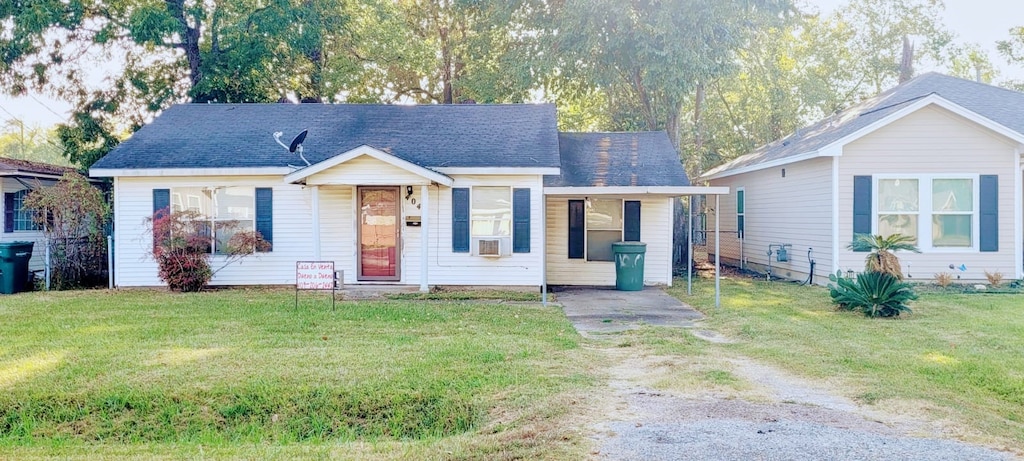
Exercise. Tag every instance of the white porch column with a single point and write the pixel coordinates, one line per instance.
(424, 235)
(316, 222)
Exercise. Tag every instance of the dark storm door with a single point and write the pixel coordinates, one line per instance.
(379, 249)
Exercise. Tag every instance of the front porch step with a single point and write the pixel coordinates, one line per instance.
(374, 291)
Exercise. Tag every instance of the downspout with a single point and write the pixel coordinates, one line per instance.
(424, 235)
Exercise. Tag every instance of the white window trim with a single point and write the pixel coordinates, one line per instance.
(924, 210)
(36, 227)
(586, 226)
(213, 220)
(511, 212)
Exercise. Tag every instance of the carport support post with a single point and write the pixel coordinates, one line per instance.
(424, 235)
(689, 245)
(718, 255)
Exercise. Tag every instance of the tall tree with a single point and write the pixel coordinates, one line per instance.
(174, 50)
(29, 142)
(647, 56)
(1012, 49)
(443, 51)
(810, 68)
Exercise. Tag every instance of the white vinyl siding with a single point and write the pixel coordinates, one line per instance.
(292, 217)
(133, 204)
(794, 209)
(366, 171)
(933, 143)
(448, 268)
(655, 231)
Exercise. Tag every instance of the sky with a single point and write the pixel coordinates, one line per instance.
(974, 21)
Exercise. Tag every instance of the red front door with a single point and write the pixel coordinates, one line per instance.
(379, 228)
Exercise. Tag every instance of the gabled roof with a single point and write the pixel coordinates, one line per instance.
(999, 109)
(301, 175)
(25, 168)
(618, 160)
(240, 136)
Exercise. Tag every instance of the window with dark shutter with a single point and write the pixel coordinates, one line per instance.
(631, 221)
(741, 211)
(265, 214)
(460, 220)
(988, 195)
(521, 220)
(161, 208)
(577, 229)
(8, 212)
(861, 207)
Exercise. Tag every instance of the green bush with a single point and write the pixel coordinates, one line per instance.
(876, 294)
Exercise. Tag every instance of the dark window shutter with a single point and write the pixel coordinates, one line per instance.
(861, 207)
(988, 238)
(265, 214)
(631, 221)
(460, 220)
(740, 201)
(161, 208)
(8, 212)
(520, 220)
(741, 225)
(577, 229)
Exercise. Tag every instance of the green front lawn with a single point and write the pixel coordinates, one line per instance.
(958, 359)
(244, 373)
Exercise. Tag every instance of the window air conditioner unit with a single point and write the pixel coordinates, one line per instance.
(493, 247)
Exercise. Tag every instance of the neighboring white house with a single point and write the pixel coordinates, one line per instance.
(937, 158)
(17, 179)
(411, 195)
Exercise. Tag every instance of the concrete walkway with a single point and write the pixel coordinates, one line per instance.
(597, 310)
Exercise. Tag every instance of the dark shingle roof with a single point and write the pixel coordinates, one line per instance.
(618, 159)
(11, 166)
(1003, 106)
(241, 135)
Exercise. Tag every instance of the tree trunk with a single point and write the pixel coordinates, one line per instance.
(446, 67)
(189, 39)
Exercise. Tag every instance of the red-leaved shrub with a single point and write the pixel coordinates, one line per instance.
(182, 244)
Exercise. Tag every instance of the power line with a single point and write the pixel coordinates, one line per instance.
(9, 113)
(34, 98)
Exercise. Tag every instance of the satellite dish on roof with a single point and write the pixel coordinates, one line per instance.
(296, 144)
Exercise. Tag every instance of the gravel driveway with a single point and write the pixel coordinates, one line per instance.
(784, 418)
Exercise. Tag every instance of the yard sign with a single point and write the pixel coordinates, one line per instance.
(315, 275)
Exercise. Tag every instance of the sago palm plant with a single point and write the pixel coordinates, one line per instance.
(882, 257)
(876, 294)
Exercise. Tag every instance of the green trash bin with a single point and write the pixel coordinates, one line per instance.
(629, 265)
(14, 257)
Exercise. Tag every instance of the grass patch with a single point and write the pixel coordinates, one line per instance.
(469, 295)
(233, 368)
(958, 352)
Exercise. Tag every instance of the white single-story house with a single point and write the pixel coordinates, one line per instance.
(411, 195)
(17, 179)
(937, 158)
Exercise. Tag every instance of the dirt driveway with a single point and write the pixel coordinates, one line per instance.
(655, 410)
